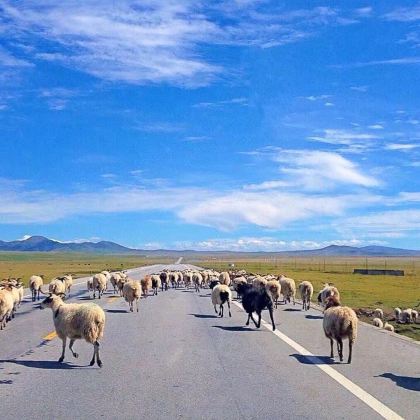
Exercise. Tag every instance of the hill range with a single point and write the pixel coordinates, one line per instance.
(43, 244)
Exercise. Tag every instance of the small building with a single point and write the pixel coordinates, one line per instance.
(373, 272)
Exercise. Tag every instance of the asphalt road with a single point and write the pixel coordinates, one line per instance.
(176, 359)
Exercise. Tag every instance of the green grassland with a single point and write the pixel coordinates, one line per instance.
(361, 292)
(25, 264)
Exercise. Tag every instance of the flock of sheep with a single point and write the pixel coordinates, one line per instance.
(87, 320)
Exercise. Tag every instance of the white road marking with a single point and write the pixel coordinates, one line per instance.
(358, 392)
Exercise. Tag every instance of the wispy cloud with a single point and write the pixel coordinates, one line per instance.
(392, 61)
(159, 41)
(262, 244)
(160, 127)
(9, 60)
(404, 14)
(234, 101)
(57, 98)
(345, 137)
(403, 147)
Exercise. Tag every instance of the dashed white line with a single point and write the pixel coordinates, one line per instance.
(358, 392)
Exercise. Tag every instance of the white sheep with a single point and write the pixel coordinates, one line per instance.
(99, 284)
(406, 316)
(224, 278)
(259, 282)
(220, 295)
(68, 281)
(57, 286)
(89, 285)
(6, 307)
(156, 283)
(131, 293)
(306, 291)
(197, 280)
(146, 285)
(288, 288)
(397, 313)
(35, 284)
(274, 289)
(76, 321)
(388, 327)
(378, 313)
(377, 322)
(414, 315)
(339, 322)
(114, 278)
(328, 291)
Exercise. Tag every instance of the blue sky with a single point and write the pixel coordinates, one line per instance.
(241, 125)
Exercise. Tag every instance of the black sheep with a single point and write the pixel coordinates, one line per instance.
(255, 300)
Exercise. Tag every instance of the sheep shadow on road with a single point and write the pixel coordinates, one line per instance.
(233, 329)
(313, 360)
(407, 382)
(117, 311)
(313, 317)
(292, 310)
(204, 316)
(42, 364)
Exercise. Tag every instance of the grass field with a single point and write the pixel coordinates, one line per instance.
(362, 293)
(25, 264)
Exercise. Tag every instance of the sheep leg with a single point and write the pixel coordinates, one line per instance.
(221, 311)
(270, 310)
(350, 351)
(249, 317)
(137, 304)
(228, 303)
(259, 320)
(340, 348)
(64, 350)
(253, 320)
(215, 310)
(71, 348)
(332, 348)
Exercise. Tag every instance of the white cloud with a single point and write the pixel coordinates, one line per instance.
(392, 61)
(264, 244)
(376, 127)
(359, 88)
(404, 14)
(344, 137)
(267, 185)
(234, 101)
(403, 147)
(393, 222)
(8, 60)
(156, 41)
(364, 11)
(318, 170)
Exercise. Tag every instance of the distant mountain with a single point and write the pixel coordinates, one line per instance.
(42, 244)
(350, 251)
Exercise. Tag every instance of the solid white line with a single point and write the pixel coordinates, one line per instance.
(360, 393)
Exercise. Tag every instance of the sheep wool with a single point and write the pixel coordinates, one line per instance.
(339, 322)
(306, 291)
(220, 295)
(76, 321)
(288, 289)
(377, 322)
(132, 293)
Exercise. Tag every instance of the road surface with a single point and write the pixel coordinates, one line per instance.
(176, 359)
